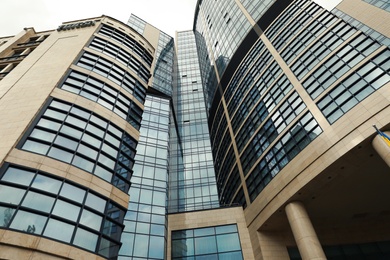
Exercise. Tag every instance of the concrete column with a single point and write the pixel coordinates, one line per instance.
(305, 236)
(382, 148)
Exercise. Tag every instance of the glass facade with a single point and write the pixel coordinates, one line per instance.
(162, 74)
(215, 125)
(199, 185)
(39, 203)
(336, 64)
(79, 137)
(137, 24)
(104, 94)
(220, 242)
(223, 25)
(144, 236)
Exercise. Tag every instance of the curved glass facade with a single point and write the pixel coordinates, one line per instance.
(74, 135)
(41, 204)
(223, 26)
(111, 98)
(266, 121)
(144, 236)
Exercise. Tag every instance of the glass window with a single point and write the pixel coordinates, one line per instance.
(91, 220)
(11, 195)
(59, 230)
(47, 184)
(71, 192)
(85, 239)
(66, 142)
(103, 173)
(18, 176)
(28, 222)
(64, 215)
(43, 135)
(156, 247)
(60, 154)
(6, 216)
(38, 201)
(205, 245)
(70, 131)
(49, 124)
(35, 147)
(95, 202)
(141, 245)
(83, 163)
(228, 242)
(66, 210)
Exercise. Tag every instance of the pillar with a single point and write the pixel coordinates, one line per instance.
(305, 236)
(382, 148)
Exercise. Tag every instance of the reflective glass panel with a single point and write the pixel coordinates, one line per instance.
(28, 222)
(59, 230)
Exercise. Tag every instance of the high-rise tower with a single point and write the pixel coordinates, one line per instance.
(248, 137)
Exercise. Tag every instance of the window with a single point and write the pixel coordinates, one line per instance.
(55, 208)
(76, 136)
(218, 242)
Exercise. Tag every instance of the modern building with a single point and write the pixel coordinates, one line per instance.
(248, 137)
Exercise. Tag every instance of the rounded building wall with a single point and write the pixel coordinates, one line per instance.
(67, 162)
(294, 123)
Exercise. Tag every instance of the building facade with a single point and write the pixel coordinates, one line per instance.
(248, 137)
(72, 102)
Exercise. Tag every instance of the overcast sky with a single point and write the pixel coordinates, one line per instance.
(167, 15)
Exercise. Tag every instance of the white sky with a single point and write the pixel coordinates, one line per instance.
(166, 15)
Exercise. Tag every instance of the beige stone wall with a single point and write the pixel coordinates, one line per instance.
(27, 87)
(17, 246)
(368, 14)
(210, 218)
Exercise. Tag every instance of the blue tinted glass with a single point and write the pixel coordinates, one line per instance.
(59, 230)
(228, 242)
(35, 147)
(28, 222)
(83, 163)
(226, 229)
(19, 176)
(141, 245)
(66, 210)
(205, 245)
(183, 247)
(85, 239)
(204, 231)
(95, 202)
(11, 195)
(128, 240)
(91, 220)
(38, 201)
(72, 192)
(231, 256)
(47, 184)
(156, 247)
(6, 215)
(60, 154)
